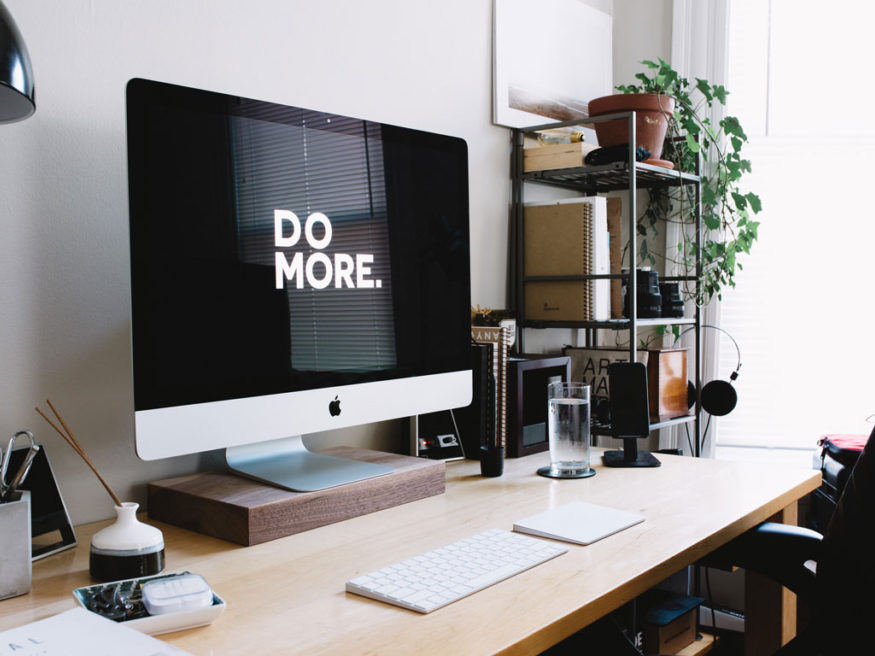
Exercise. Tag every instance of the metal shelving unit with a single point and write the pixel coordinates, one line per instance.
(627, 175)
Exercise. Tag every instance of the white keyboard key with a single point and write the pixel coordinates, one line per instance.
(436, 578)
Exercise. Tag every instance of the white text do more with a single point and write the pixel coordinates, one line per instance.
(319, 270)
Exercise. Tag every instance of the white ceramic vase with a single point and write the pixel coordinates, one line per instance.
(126, 549)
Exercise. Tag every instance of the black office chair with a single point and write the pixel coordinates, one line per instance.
(842, 592)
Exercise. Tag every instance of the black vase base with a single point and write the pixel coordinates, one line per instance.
(105, 567)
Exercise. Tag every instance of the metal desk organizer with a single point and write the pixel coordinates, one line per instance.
(15, 563)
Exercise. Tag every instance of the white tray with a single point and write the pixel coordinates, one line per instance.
(158, 624)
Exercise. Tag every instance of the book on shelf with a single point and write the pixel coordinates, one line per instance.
(615, 233)
(589, 365)
(498, 336)
(567, 238)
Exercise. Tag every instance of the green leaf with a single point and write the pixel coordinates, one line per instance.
(753, 225)
(733, 170)
(720, 93)
(650, 64)
(711, 221)
(692, 144)
(690, 125)
(740, 200)
(731, 125)
(754, 201)
(709, 197)
(705, 88)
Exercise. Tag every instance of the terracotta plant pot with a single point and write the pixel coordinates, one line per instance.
(652, 112)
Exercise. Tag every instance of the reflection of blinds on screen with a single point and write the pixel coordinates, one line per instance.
(340, 174)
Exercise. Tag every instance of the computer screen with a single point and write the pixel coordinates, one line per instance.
(292, 271)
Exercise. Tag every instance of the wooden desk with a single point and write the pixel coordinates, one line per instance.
(287, 596)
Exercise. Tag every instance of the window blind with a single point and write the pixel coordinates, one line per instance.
(801, 311)
(333, 166)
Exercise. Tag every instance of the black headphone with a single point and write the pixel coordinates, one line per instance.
(718, 396)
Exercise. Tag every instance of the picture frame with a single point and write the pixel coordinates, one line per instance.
(549, 60)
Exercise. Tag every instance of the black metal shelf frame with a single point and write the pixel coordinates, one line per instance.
(628, 175)
(604, 430)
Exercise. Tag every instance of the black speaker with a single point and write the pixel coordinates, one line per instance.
(719, 397)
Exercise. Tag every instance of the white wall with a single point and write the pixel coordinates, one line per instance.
(64, 326)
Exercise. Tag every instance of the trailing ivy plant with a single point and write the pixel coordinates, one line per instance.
(727, 212)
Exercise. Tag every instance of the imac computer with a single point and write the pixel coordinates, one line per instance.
(292, 271)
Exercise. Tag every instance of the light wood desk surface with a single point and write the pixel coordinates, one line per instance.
(287, 596)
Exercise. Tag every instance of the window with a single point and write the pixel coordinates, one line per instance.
(803, 310)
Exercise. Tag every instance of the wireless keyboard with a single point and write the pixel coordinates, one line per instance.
(440, 577)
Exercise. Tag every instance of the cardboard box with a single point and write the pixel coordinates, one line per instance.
(667, 383)
(669, 621)
(555, 156)
(672, 637)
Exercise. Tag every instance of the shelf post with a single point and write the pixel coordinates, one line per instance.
(516, 286)
(632, 285)
(698, 323)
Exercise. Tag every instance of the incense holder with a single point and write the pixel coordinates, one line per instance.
(126, 549)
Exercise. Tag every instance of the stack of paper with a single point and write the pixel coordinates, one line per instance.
(79, 632)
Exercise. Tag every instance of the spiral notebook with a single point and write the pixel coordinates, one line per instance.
(578, 522)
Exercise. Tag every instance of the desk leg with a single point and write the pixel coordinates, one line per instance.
(770, 609)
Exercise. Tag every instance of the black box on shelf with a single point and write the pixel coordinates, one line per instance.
(528, 376)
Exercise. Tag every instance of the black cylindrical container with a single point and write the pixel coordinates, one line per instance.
(672, 303)
(649, 300)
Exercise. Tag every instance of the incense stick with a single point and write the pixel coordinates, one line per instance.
(70, 439)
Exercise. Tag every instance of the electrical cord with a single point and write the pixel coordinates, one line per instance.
(458, 434)
(689, 440)
(711, 606)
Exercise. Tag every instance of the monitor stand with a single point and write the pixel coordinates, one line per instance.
(288, 464)
(630, 456)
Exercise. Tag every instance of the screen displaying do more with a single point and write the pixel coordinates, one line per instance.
(277, 249)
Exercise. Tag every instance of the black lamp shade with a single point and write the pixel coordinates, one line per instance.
(16, 74)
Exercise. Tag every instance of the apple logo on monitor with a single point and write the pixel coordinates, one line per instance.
(334, 407)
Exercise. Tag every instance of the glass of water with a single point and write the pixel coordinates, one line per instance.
(568, 431)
